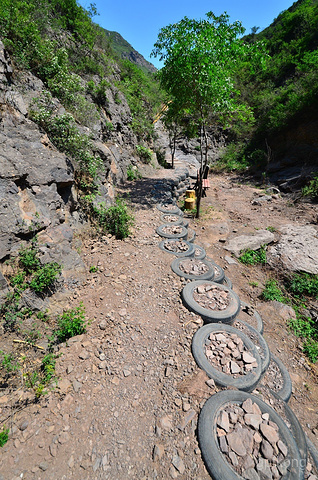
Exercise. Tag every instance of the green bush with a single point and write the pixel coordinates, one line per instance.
(253, 257)
(71, 323)
(133, 173)
(28, 259)
(144, 153)
(311, 190)
(303, 284)
(4, 436)
(116, 219)
(45, 277)
(273, 292)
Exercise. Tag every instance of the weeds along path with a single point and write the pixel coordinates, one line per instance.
(129, 392)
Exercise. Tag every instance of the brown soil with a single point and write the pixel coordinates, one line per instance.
(129, 392)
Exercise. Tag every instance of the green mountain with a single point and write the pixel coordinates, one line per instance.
(124, 50)
(284, 97)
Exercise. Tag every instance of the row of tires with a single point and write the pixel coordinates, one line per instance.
(293, 435)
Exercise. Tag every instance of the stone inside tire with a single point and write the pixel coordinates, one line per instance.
(174, 209)
(181, 236)
(178, 221)
(187, 253)
(246, 382)
(251, 312)
(286, 389)
(216, 463)
(210, 316)
(175, 266)
(201, 252)
(219, 272)
(266, 354)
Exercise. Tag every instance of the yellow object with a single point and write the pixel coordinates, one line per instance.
(190, 194)
(189, 203)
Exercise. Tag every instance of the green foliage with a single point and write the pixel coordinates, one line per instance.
(28, 259)
(8, 362)
(93, 269)
(306, 328)
(4, 436)
(133, 173)
(48, 367)
(311, 190)
(144, 153)
(310, 348)
(45, 277)
(271, 229)
(253, 257)
(65, 135)
(303, 284)
(71, 323)
(116, 219)
(272, 291)
(143, 97)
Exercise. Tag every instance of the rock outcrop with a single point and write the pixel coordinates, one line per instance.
(38, 193)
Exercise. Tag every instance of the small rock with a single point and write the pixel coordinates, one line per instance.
(251, 474)
(166, 422)
(84, 355)
(126, 373)
(267, 450)
(247, 358)
(43, 466)
(253, 420)
(158, 452)
(178, 463)
(234, 440)
(103, 325)
(24, 425)
(282, 447)
(224, 422)
(235, 367)
(53, 449)
(269, 433)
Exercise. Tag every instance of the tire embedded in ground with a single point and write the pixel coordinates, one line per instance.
(187, 253)
(258, 339)
(182, 235)
(245, 382)
(292, 422)
(199, 252)
(167, 219)
(216, 463)
(219, 272)
(169, 208)
(191, 235)
(252, 317)
(226, 315)
(207, 275)
(285, 390)
(227, 282)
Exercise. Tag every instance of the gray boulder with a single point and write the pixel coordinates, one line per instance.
(238, 244)
(297, 249)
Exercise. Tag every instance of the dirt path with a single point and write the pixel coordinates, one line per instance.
(129, 392)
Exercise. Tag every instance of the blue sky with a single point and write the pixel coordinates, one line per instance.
(139, 22)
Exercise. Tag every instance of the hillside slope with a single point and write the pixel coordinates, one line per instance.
(283, 141)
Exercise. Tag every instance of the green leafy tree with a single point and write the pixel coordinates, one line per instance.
(201, 58)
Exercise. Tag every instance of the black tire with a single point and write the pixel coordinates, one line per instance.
(191, 235)
(259, 342)
(175, 266)
(199, 253)
(286, 390)
(210, 316)
(219, 272)
(313, 451)
(245, 382)
(178, 221)
(183, 235)
(216, 464)
(188, 253)
(256, 320)
(292, 422)
(185, 223)
(173, 210)
(227, 282)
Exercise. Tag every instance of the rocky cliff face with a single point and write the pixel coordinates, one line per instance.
(38, 193)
